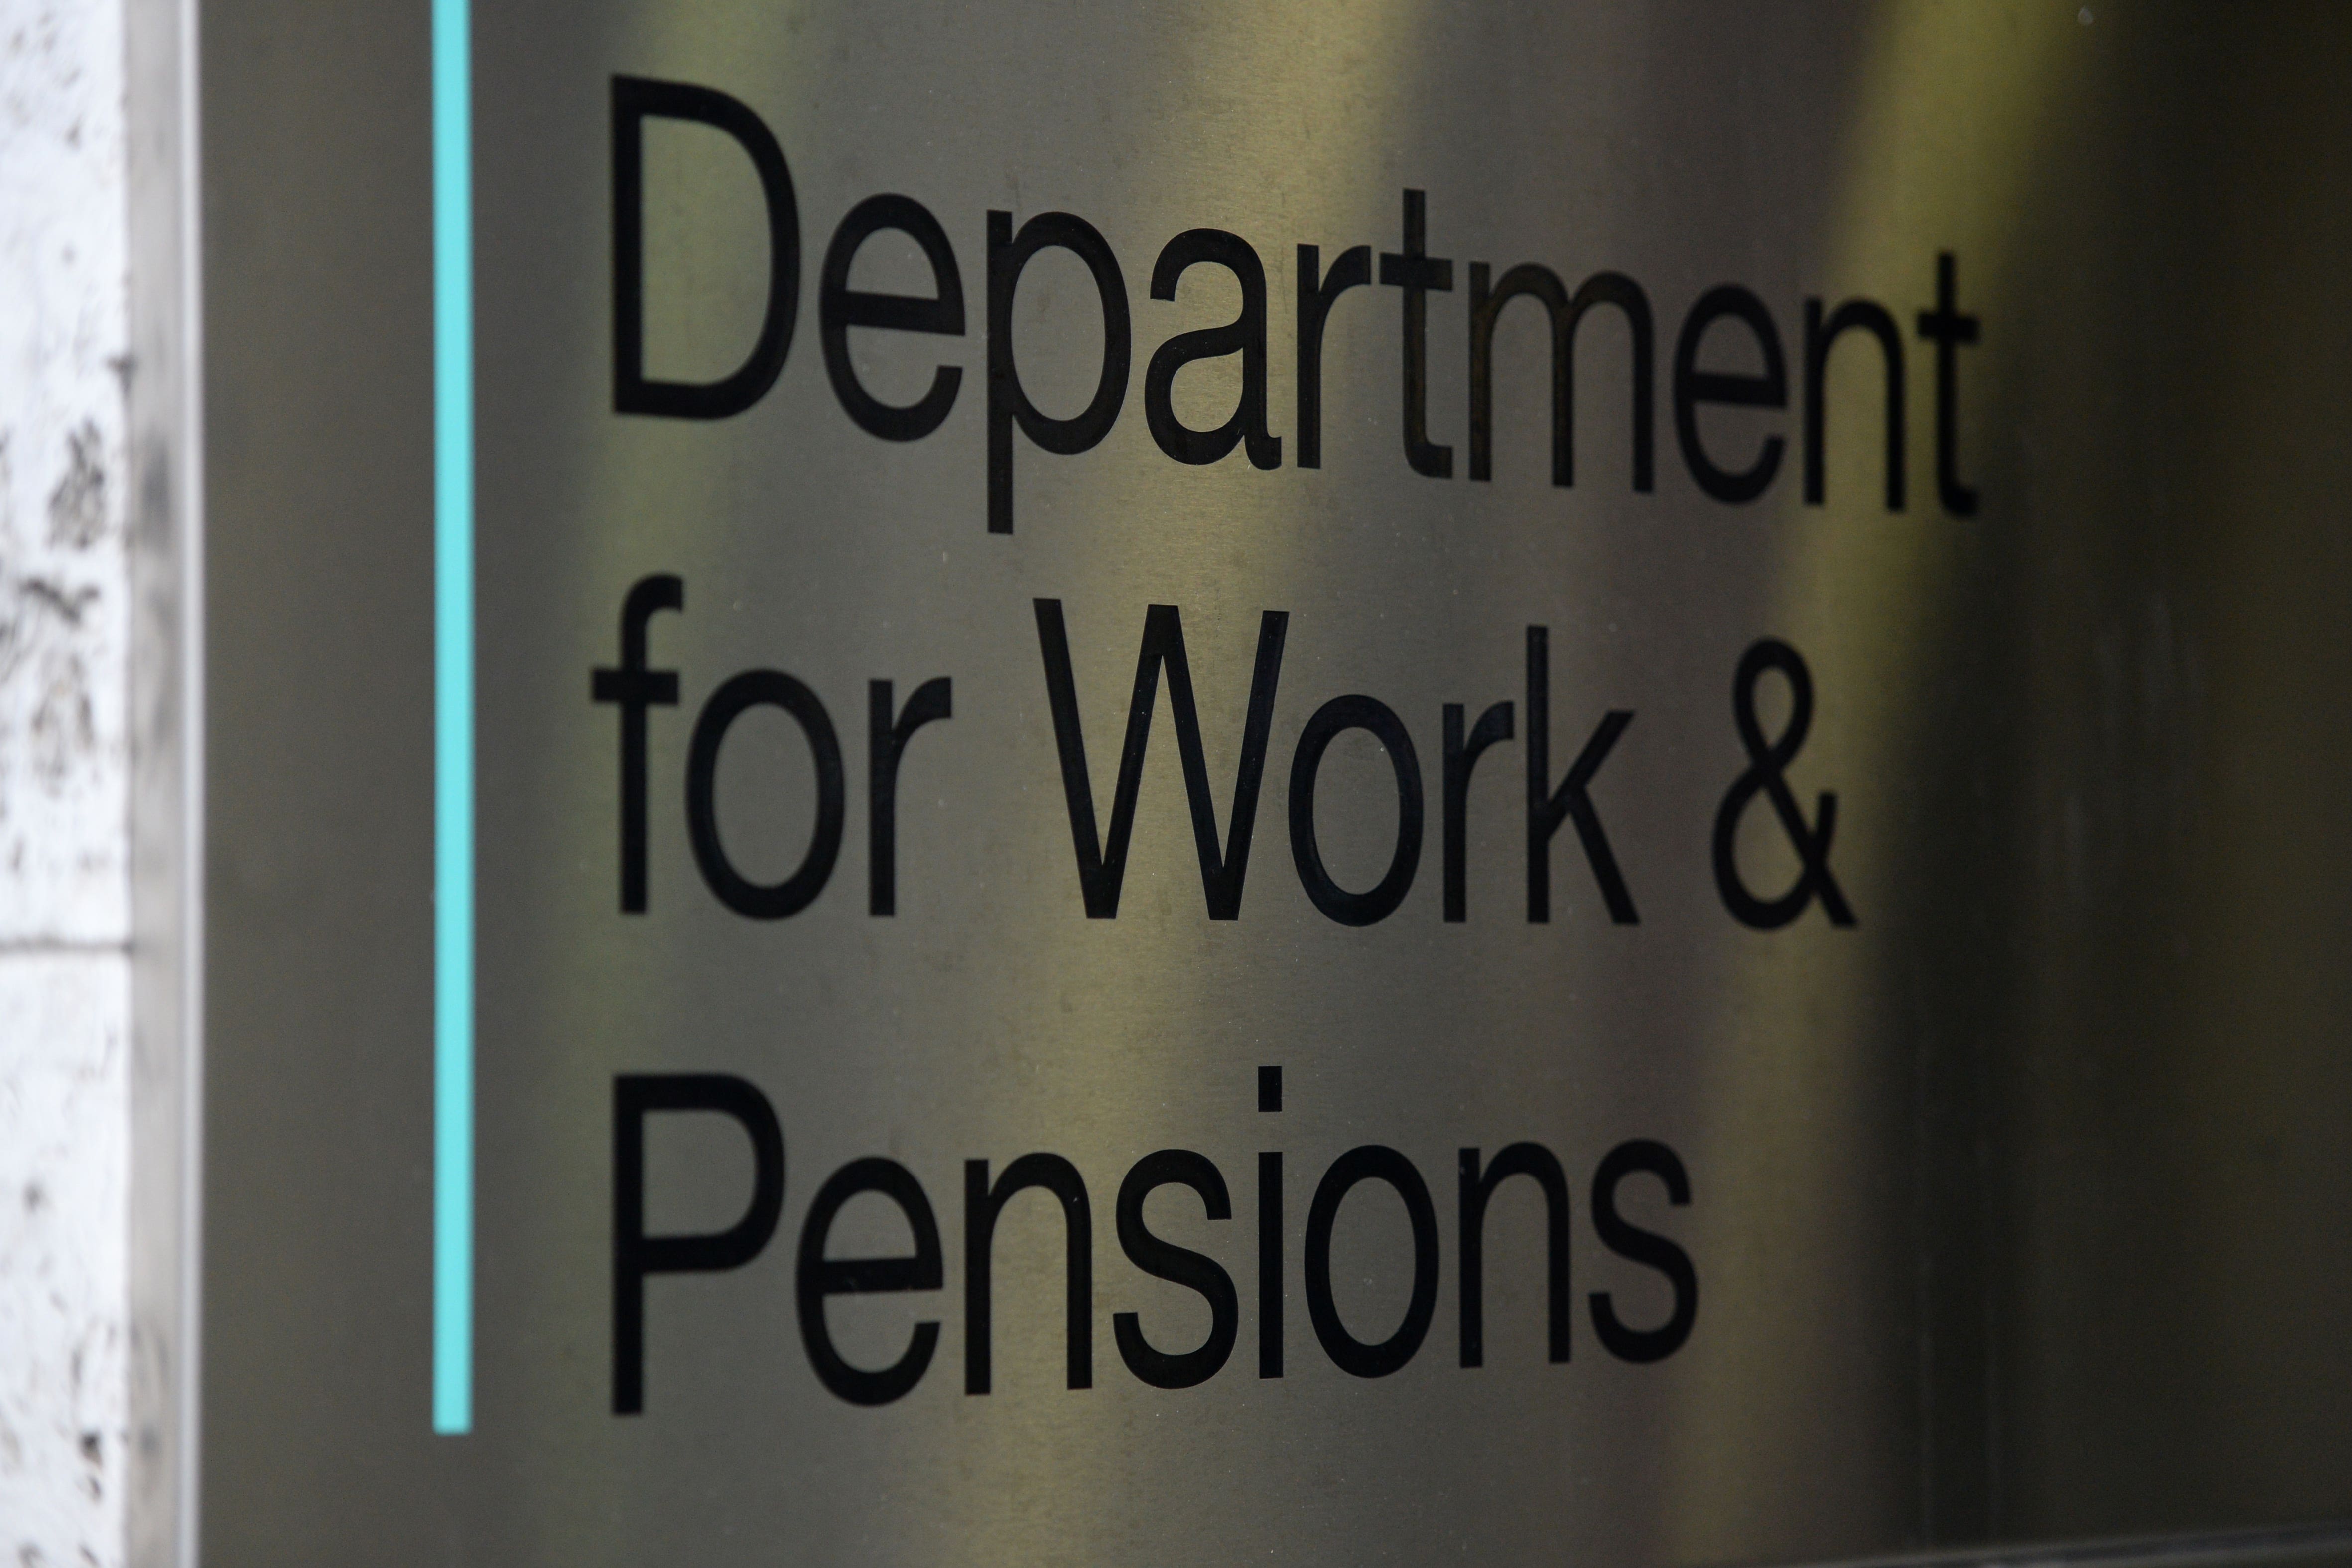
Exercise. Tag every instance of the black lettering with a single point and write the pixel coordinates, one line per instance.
(1269, 1264)
(636, 1254)
(1645, 1247)
(1371, 1162)
(1567, 313)
(1102, 867)
(1819, 336)
(1418, 273)
(1537, 1163)
(1546, 807)
(1317, 292)
(839, 308)
(1948, 329)
(981, 1205)
(1354, 712)
(634, 99)
(772, 901)
(1008, 403)
(1164, 1260)
(886, 742)
(1245, 335)
(1767, 776)
(1461, 757)
(634, 688)
(1693, 386)
(820, 1277)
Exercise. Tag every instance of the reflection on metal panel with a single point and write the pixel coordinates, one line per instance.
(1894, 1105)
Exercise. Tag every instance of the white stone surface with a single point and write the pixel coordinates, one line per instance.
(64, 1172)
(64, 831)
(64, 598)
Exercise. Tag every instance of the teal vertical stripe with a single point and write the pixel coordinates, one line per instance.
(453, 719)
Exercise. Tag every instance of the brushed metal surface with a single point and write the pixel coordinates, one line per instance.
(2018, 1208)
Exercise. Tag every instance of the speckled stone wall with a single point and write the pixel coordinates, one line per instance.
(65, 964)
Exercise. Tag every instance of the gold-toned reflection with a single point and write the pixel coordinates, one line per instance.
(1815, 1083)
(2007, 1148)
(2092, 1026)
(1097, 1030)
(1114, 1045)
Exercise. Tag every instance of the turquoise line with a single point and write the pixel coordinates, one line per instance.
(453, 719)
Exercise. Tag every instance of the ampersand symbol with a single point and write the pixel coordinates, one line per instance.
(1810, 841)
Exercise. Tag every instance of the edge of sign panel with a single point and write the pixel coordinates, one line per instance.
(2321, 1546)
(453, 720)
(2326, 1544)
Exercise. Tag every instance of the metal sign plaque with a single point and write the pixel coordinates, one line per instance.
(1206, 784)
